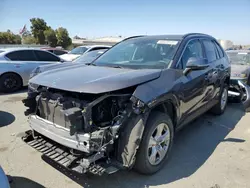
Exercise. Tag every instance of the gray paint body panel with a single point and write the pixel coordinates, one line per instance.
(60, 135)
(94, 79)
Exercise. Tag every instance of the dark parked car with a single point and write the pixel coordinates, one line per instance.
(122, 110)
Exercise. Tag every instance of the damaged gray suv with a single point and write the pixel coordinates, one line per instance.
(122, 110)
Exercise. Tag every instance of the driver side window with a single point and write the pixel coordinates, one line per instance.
(193, 49)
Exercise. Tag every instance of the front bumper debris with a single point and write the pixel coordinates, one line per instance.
(60, 134)
(61, 155)
(239, 89)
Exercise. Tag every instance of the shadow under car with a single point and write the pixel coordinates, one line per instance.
(193, 146)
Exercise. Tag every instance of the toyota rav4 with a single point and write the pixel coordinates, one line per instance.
(123, 109)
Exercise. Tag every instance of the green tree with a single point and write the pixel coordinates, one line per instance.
(2, 38)
(17, 39)
(9, 38)
(63, 38)
(50, 37)
(38, 26)
(29, 39)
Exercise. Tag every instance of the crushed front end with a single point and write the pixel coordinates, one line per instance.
(84, 132)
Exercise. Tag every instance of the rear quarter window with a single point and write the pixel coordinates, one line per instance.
(59, 52)
(46, 56)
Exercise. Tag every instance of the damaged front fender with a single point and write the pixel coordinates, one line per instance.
(130, 139)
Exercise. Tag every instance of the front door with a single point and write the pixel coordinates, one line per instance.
(194, 89)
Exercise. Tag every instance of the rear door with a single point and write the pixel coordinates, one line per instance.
(22, 62)
(214, 77)
(45, 57)
(194, 88)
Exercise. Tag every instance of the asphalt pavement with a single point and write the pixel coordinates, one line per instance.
(211, 152)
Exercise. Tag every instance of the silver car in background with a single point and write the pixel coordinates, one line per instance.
(16, 65)
(240, 64)
(83, 59)
(239, 89)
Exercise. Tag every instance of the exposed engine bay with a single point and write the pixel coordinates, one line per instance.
(87, 127)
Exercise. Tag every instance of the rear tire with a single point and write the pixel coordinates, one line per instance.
(10, 82)
(220, 107)
(158, 124)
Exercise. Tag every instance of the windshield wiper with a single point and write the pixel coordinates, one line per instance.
(90, 64)
(117, 66)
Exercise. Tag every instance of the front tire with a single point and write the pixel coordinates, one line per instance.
(156, 143)
(220, 107)
(10, 82)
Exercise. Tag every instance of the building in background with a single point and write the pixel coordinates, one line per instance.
(225, 43)
(104, 40)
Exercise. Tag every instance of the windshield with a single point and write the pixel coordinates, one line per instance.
(78, 50)
(89, 56)
(242, 58)
(139, 53)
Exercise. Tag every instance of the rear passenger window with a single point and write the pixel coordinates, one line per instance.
(210, 50)
(21, 55)
(46, 56)
(193, 49)
(220, 51)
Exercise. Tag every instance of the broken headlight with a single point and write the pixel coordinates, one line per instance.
(32, 87)
(138, 105)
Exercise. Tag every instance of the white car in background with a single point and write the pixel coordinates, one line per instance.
(80, 50)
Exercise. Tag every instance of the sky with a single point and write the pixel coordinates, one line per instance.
(223, 19)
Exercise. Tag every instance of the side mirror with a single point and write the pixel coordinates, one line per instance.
(194, 64)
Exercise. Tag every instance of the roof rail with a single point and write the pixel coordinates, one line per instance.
(134, 37)
(190, 34)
